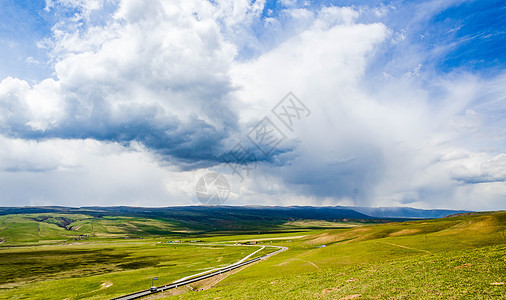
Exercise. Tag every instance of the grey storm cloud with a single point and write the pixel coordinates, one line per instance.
(190, 140)
(154, 76)
(147, 96)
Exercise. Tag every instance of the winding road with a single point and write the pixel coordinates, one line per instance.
(204, 275)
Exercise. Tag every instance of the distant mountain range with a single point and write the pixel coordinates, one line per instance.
(273, 213)
(405, 212)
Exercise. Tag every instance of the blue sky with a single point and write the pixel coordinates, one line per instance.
(135, 101)
(22, 26)
(473, 33)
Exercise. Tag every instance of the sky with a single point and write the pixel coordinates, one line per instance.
(365, 103)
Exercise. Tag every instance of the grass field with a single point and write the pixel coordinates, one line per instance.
(51, 228)
(451, 258)
(101, 271)
(52, 256)
(76, 256)
(469, 274)
(44, 228)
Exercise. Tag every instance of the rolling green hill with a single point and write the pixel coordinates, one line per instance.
(57, 224)
(449, 258)
(51, 227)
(97, 254)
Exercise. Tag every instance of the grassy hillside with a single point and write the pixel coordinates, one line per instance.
(201, 219)
(44, 228)
(86, 256)
(47, 227)
(449, 258)
(104, 270)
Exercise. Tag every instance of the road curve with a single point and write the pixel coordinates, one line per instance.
(201, 276)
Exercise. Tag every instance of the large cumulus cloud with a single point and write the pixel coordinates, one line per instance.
(155, 72)
(146, 95)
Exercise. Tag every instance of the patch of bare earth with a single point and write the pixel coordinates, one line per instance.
(197, 286)
(463, 266)
(405, 232)
(168, 293)
(351, 297)
(210, 282)
(328, 290)
(343, 237)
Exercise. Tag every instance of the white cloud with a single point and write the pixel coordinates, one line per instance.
(87, 172)
(289, 3)
(387, 143)
(480, 170)
(144, 92)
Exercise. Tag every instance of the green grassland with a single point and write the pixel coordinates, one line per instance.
(101, 271)
(44, 228)
(203, 220)
(47, 228)
(80, 256)
(462, 257)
